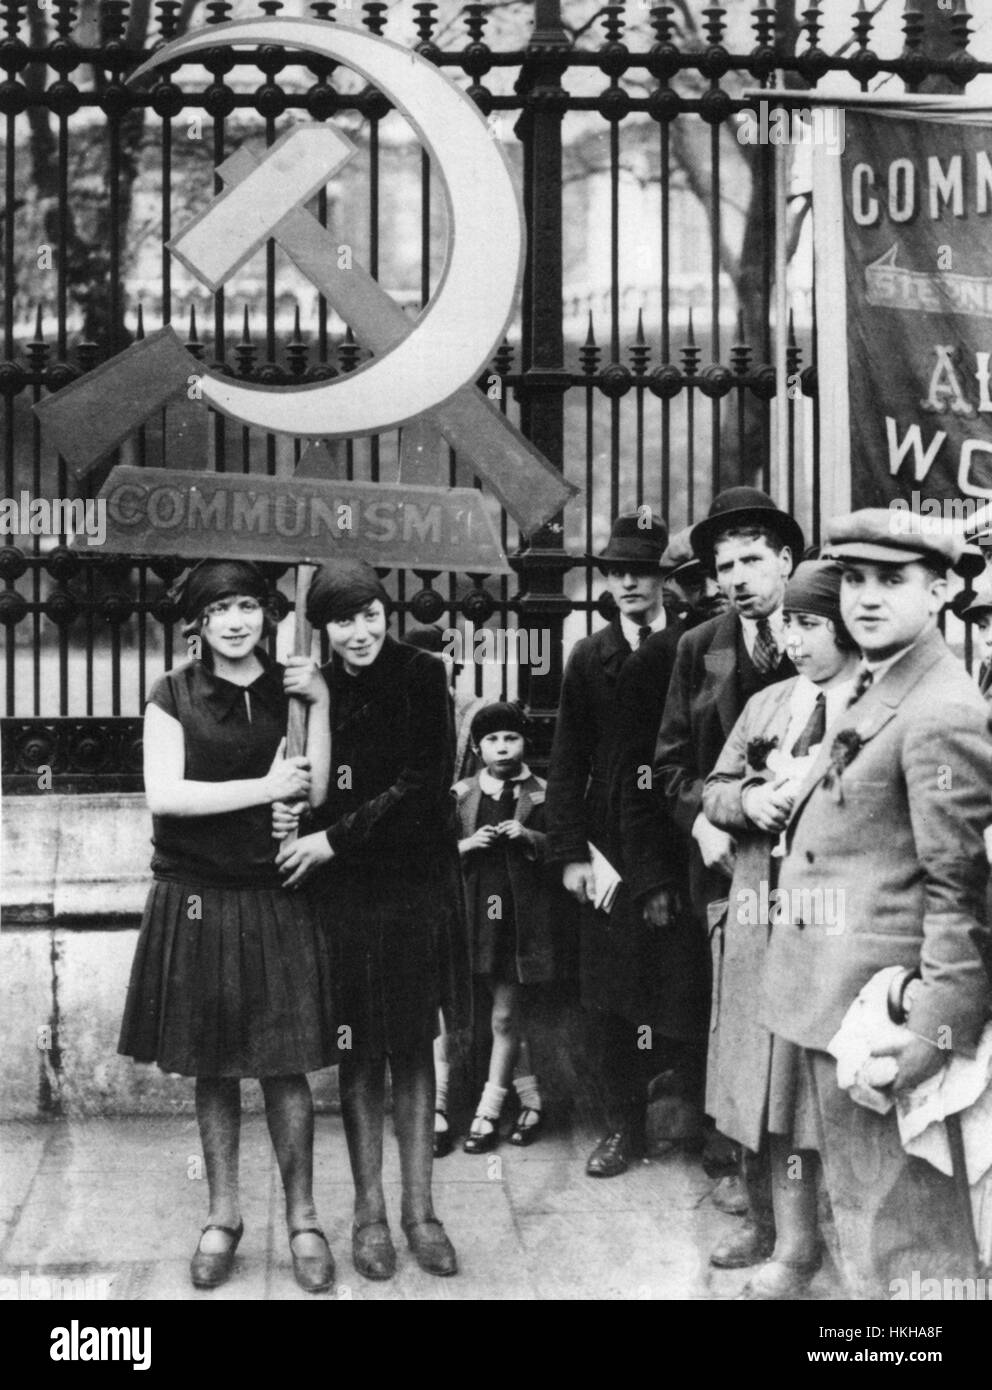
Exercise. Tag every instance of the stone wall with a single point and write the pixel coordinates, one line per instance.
(75, 876)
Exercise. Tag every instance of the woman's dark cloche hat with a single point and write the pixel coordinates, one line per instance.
(211, 580)
(636, 538)
(815, 588)
(498, 718)
(742, 507)
(341, 588)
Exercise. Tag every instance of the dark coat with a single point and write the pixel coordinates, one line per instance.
(534, 908)
(391, 896)
(712, 681)
(582, 751)
(657, 975)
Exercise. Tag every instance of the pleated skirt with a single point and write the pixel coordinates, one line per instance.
(230, 982)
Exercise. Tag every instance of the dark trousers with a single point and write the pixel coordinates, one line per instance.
(630, 1057)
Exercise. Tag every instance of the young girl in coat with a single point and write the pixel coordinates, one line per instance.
(231, 977)
(508, 904)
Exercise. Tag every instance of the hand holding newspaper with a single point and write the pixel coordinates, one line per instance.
(606, 880)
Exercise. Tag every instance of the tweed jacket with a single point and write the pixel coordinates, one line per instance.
(886, 861)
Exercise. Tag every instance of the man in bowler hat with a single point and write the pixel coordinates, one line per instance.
(751, 547)
(890, 823)
(578, 814)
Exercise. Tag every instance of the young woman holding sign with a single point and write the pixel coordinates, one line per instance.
(388, 887)
(231, 977)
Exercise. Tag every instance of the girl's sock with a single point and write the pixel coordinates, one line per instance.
(528, 1092)
(489, 1106)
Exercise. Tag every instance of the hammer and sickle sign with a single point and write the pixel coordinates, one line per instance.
(420, 370)
(469, 313)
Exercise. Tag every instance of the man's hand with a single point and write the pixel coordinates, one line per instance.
(660, 908)
(917, 1060)
(302, 678)
(298, 860)
(716, 846)
(579, 881)
(768, 805)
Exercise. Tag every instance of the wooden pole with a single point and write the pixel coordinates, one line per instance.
(296, 724)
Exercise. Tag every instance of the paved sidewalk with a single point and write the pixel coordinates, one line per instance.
(121, 1201)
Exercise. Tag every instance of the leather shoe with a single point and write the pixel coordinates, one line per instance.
(748, 1245)
(522, 1135)
(443, 1142)
(482, 1143)
(431, 1247)
(614, 1154)
(780, 1280)
(209, 1269)
(313, 1273)
(730, 1197)
(372, 1251)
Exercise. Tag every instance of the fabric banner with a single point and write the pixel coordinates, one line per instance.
(903, 227)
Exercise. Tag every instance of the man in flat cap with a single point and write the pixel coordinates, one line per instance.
(578, 814)
(691, 593)
(889, 827)
(751, 546)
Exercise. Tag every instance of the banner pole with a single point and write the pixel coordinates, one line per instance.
(780, 470)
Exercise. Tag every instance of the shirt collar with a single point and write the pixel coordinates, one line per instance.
(879, 669)
(632, 630)
(223, 697)
(493, 786)
(776, 621)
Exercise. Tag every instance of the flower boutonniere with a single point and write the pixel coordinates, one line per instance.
(758, 750)
(844, 749)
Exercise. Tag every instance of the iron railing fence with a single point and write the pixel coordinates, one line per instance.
(641, 364)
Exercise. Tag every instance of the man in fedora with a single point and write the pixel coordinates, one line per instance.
(751, 546)
(667, 955)
(888, 826)
(578, 813)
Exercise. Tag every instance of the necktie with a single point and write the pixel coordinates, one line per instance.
(765, 654)
(643, 633)
(815, 728)
(864, 680)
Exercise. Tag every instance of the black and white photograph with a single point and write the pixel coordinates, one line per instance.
(497, 631)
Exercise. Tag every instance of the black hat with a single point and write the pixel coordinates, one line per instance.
(211, 580)
(341, 588)
(637, 538)
(742, 507)
(497, 718)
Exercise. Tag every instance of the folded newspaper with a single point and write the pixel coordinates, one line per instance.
(606, 880)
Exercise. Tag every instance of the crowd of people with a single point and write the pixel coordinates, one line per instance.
(763, 830)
